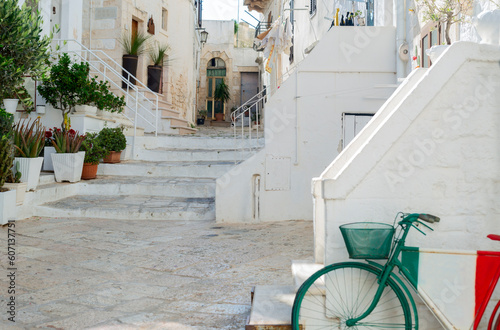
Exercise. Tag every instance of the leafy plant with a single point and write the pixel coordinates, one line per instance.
(67, 142)
(94, 151)
(29, 138)
(222, 95)
(134, 46)
(447, 12)
(159, 54)
(112, 139)
(24, 50)
(202, 113)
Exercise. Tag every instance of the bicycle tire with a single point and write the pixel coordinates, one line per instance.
(495, 318)
(328, 306)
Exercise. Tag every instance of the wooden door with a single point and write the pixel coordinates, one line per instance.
(135, 28)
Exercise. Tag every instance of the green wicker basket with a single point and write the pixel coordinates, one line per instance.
(368, 240)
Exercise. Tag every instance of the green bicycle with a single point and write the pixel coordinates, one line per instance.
(355, 295)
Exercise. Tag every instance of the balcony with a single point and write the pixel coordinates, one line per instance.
(260, 29)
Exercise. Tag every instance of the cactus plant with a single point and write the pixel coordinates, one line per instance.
(6, 146)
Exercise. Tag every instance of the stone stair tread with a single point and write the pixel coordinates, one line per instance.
(131, 207)
(108, 179)
(271, 307)
(170, 163)
(202, 150)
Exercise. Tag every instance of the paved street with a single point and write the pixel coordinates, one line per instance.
(119, 274)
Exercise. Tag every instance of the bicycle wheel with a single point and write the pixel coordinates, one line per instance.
(494, 323)
(343, 291)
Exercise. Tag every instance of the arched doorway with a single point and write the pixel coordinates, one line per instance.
(216, 72)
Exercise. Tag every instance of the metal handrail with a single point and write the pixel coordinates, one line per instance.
(130, 99)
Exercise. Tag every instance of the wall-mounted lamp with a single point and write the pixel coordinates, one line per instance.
(203, 35)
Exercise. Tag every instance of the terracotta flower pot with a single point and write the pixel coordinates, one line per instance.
(89, 171)
(219, 116)
(113, 157)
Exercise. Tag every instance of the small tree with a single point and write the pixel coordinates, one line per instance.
(447, 12)
(222, 95)
(63, 88)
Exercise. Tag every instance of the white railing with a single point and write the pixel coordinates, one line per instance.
(140, 107)
(242, 118)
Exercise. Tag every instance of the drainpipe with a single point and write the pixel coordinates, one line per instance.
(90, 26)
(400, 23)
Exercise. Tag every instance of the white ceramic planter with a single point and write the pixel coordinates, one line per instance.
(68, 167)
(10, 105)
(85, 109)
(30, 171)
(47, 159)
(7, 206)
(40, 109)
(20, 189)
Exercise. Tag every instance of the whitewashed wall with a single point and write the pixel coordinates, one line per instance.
(303, 125)
(435, 152)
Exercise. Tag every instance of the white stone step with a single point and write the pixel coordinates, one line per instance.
(302, 270)
(271, 308)
(140, 186)
(193, 142)
(193, 155)
(205, 169)
(130, 208)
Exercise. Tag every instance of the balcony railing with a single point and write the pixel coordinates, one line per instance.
(259, 29)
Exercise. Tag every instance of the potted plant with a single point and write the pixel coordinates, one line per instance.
(202, 114)
(133, 47)
(221, 96)
(49, 149)
(94, 152)
(358, 14)
(112, 140)
(10, 101)
(158, 56)
(7, 196)
(68, 159)
(13, 182)
(29, 140)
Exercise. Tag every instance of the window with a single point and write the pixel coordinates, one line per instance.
(312, 7)
(430, 36)
(352, 124)
(164, 19)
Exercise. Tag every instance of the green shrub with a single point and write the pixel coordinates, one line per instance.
(112, 139)
(94, 151)
(6, 145)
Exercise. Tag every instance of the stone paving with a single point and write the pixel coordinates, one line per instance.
(121, 274)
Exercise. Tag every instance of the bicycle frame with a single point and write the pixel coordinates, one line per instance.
(401, 250)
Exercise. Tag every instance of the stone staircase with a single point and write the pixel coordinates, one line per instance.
(272, 304)
(174, 180)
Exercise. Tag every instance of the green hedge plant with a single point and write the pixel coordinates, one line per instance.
(112, 139)
(94, 151)
(6, 146)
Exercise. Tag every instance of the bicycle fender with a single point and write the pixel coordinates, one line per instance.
(402, 286)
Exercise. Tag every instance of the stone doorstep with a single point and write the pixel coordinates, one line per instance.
(271, 308)
(184, 130)
(272, 305)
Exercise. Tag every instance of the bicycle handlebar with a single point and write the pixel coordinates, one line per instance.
(429, 218)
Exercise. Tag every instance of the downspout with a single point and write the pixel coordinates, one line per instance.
(400, 23)
(90, 25)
